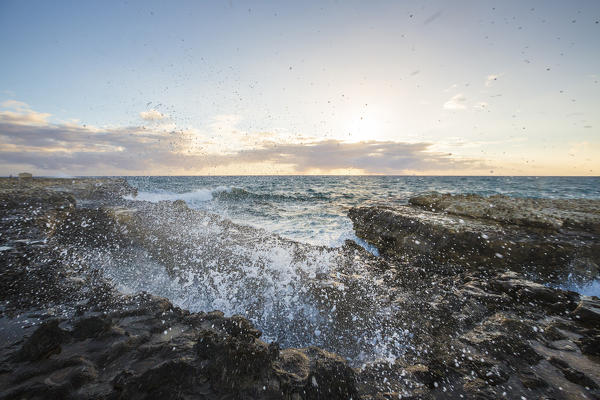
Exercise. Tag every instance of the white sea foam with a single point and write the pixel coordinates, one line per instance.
(198, 195)
(293, 222)
(587, 289)
(298, 295)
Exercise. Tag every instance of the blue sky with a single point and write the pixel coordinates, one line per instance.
(472, 86)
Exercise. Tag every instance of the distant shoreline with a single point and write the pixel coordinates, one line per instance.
(341, 176)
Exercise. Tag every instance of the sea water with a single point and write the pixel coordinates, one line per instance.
(313, 209)
(309, 210)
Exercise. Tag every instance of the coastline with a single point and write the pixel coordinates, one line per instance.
(476, 324)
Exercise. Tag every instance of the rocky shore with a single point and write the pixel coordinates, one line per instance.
(476, 271)
(548, 240)
(464, 289)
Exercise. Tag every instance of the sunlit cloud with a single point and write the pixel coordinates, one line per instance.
(372, 157)
(451, 87)
(19, 113)
(14, 105)
(457, 102)
(491, 79)
(152, 115)
(45, 147)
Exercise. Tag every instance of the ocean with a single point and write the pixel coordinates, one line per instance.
(313, 209)
(291, 277)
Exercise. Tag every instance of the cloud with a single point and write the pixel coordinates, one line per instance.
(47, 148)
(489, 81)
(152, 115)
(15, 105)
(19, 113)
(29, 118)
(457, 102)
(373, 157)
(449, 88)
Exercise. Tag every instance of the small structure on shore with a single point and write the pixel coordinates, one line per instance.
(25, 176)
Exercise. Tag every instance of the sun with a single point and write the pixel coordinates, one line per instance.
(363, 126)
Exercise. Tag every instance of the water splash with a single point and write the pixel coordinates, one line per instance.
(297, 294)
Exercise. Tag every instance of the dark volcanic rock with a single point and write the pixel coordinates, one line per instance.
(91, 327)
(478, 331)
(150, 349)
(15, 193)
(79, 188)
(588, 312)
(67, 333)
(547, 214)
(481, 335)
(44, 342)
(550, 239)
(470, 328)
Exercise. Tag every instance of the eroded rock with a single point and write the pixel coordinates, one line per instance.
(188, 355)
(552, 240)
(469, 327)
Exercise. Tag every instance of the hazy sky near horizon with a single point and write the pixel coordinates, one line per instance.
(345, 87)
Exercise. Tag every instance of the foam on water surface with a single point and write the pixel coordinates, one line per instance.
(585, 288)
(313, 209)
(191, 197)
(299, 295)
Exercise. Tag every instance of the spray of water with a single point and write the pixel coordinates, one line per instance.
(297, 294)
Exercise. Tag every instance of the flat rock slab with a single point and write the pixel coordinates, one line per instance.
(147, 348)
(546, 214)
(80, 188)
(477, 333)
(550, 239)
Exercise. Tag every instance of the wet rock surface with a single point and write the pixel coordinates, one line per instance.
(470, 329)
(68, 333)
(550, 240)
(581, 215)
(43, 190)
(146, 348)
(481, 328)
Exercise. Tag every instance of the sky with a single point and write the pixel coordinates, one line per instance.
(300, 87)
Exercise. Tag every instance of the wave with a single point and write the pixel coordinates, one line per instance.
(188, 197)
(235, 194)
(297, 294)
(222, 193)
(591, 288)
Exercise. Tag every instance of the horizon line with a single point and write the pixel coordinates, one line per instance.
(303, 175)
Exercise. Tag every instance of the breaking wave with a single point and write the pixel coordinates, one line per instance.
(298, 294)
(188, 197)
(222, 194)
(236, 194)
